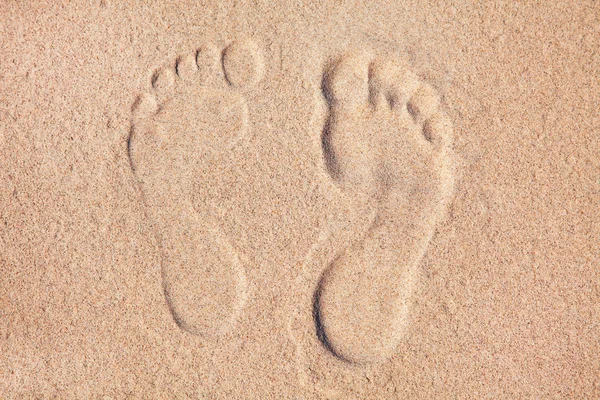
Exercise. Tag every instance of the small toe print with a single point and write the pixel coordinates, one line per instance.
(382, 82)
(424, 103)
(243, 64)
(186, 66)
(207, 61)
(391, 83)
(163, 80)
(438, 129)
(144, 106)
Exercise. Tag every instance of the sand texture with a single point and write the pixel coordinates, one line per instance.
(299, 200)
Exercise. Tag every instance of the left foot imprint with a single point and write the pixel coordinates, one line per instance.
(194, 113)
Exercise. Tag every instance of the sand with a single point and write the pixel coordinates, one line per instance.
(320, 200)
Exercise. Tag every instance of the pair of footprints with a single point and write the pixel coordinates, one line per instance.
(386, 145)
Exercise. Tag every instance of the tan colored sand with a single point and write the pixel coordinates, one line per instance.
(504, 303)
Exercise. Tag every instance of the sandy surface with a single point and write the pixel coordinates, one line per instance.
(324, 200)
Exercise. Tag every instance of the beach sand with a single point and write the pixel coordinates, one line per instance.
(299, 200)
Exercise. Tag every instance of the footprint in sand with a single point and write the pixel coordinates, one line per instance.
(387, 145)
(194, 113)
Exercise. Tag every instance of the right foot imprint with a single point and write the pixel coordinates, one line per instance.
(387, 144)
(193, 115)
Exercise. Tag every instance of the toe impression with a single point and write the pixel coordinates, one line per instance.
(438, 130)
(207, 62)
(163, 81)
(346, 82)
(186, 66)
(424, 103)
(243, 64)
(391, 83)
